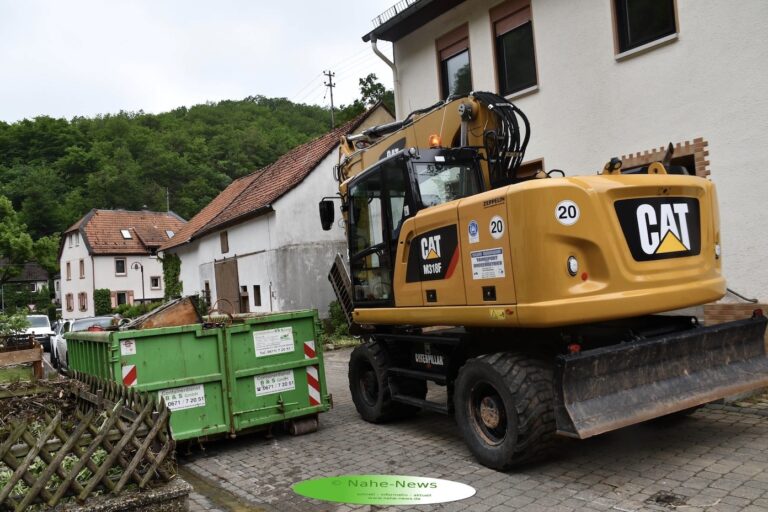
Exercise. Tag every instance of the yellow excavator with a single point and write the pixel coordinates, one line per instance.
(533, 298)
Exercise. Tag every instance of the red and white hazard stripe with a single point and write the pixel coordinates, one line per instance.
(129, 375)
(313, 375)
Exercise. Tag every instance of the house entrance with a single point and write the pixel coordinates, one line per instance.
(227, 286)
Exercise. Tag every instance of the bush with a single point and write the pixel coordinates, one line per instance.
(102, 301)
(339, 324)
(15, 323)
(134, 310)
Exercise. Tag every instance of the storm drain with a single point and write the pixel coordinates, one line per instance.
(666, 499)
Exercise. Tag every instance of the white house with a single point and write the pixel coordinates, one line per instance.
(258, 246)
(117, 250)
(605, 78)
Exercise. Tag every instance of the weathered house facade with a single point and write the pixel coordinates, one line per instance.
(117, 250)
(606, 78)
(258, 246)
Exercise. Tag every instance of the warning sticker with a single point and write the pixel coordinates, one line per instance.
(127, 347)
(273, 341)
(188, 397)
(487, 264)
(271, 383)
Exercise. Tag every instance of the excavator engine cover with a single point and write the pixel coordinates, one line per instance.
(607, 388)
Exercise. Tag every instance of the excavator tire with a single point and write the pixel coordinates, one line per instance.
(370, 389)
(504, 408)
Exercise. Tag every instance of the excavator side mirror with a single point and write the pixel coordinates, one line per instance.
(326, 214)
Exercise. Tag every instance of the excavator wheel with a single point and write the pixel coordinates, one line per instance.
(370, 389)
(504, 409)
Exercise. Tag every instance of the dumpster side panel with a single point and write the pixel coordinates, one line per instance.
(277, 369)
(186, 366)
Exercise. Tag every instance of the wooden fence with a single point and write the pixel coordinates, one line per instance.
(15, 350)
(119, 438)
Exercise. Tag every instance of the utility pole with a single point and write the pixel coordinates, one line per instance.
(330, 85)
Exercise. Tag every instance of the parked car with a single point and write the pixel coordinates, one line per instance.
(40, 328)
(59, 357)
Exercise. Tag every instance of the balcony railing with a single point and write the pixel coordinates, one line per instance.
(392, 12)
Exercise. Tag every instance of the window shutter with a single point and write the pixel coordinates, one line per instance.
(455, 41)
(510, 15)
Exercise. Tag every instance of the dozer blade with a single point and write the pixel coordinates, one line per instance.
(611, 387)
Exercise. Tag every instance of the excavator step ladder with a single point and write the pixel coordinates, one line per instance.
(342, 287)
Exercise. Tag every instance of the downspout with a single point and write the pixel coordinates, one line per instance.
(389, 63)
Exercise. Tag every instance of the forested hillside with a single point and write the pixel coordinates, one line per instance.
(55, 170)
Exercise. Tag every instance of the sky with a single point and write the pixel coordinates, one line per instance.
(83, 58)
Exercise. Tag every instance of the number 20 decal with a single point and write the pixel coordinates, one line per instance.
(567, 212)
(496, 227)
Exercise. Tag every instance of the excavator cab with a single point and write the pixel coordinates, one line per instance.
(384, 196)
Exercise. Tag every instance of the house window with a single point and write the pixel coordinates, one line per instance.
(515, 55)
(256, 295)
(244, 307)
(82, 301)
(639, 22)
(224, 238)
(70, 302)
(455, 69)
(69, 271)
(121, 298)
(69, 237)
(82, 269)
(33, 287)
(77, 239)
(154, 282)
(119, 266)
(126, 234)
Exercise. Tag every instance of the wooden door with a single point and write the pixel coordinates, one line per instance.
(227, 286)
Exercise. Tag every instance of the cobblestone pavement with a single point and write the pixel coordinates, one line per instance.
(715, 460)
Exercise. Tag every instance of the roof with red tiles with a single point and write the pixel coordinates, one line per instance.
(102, 230)
(254, 194)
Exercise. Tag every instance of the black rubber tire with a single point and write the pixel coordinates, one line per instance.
(516, 394)
(54, 359)
(370, 389)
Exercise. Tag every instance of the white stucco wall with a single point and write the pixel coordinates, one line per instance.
(100, 273)
(711, 82)
(104, 269)
(76, 284)
(284, 252)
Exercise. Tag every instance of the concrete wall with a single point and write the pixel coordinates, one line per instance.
(710, 82)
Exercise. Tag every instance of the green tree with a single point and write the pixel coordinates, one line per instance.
(45, 251)
(102, 301)
(15, 242)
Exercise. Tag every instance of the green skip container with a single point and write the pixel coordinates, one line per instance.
(253, 373)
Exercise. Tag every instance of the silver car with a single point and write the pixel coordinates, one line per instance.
(59, 357)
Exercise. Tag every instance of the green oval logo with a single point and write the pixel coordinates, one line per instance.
(383, 489)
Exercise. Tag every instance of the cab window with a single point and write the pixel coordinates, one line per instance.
(440, 183)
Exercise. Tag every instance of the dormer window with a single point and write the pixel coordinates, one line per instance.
(126, 234)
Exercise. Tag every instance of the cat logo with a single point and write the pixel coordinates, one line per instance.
(657, 228)
(430, 247)
(665, 233)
